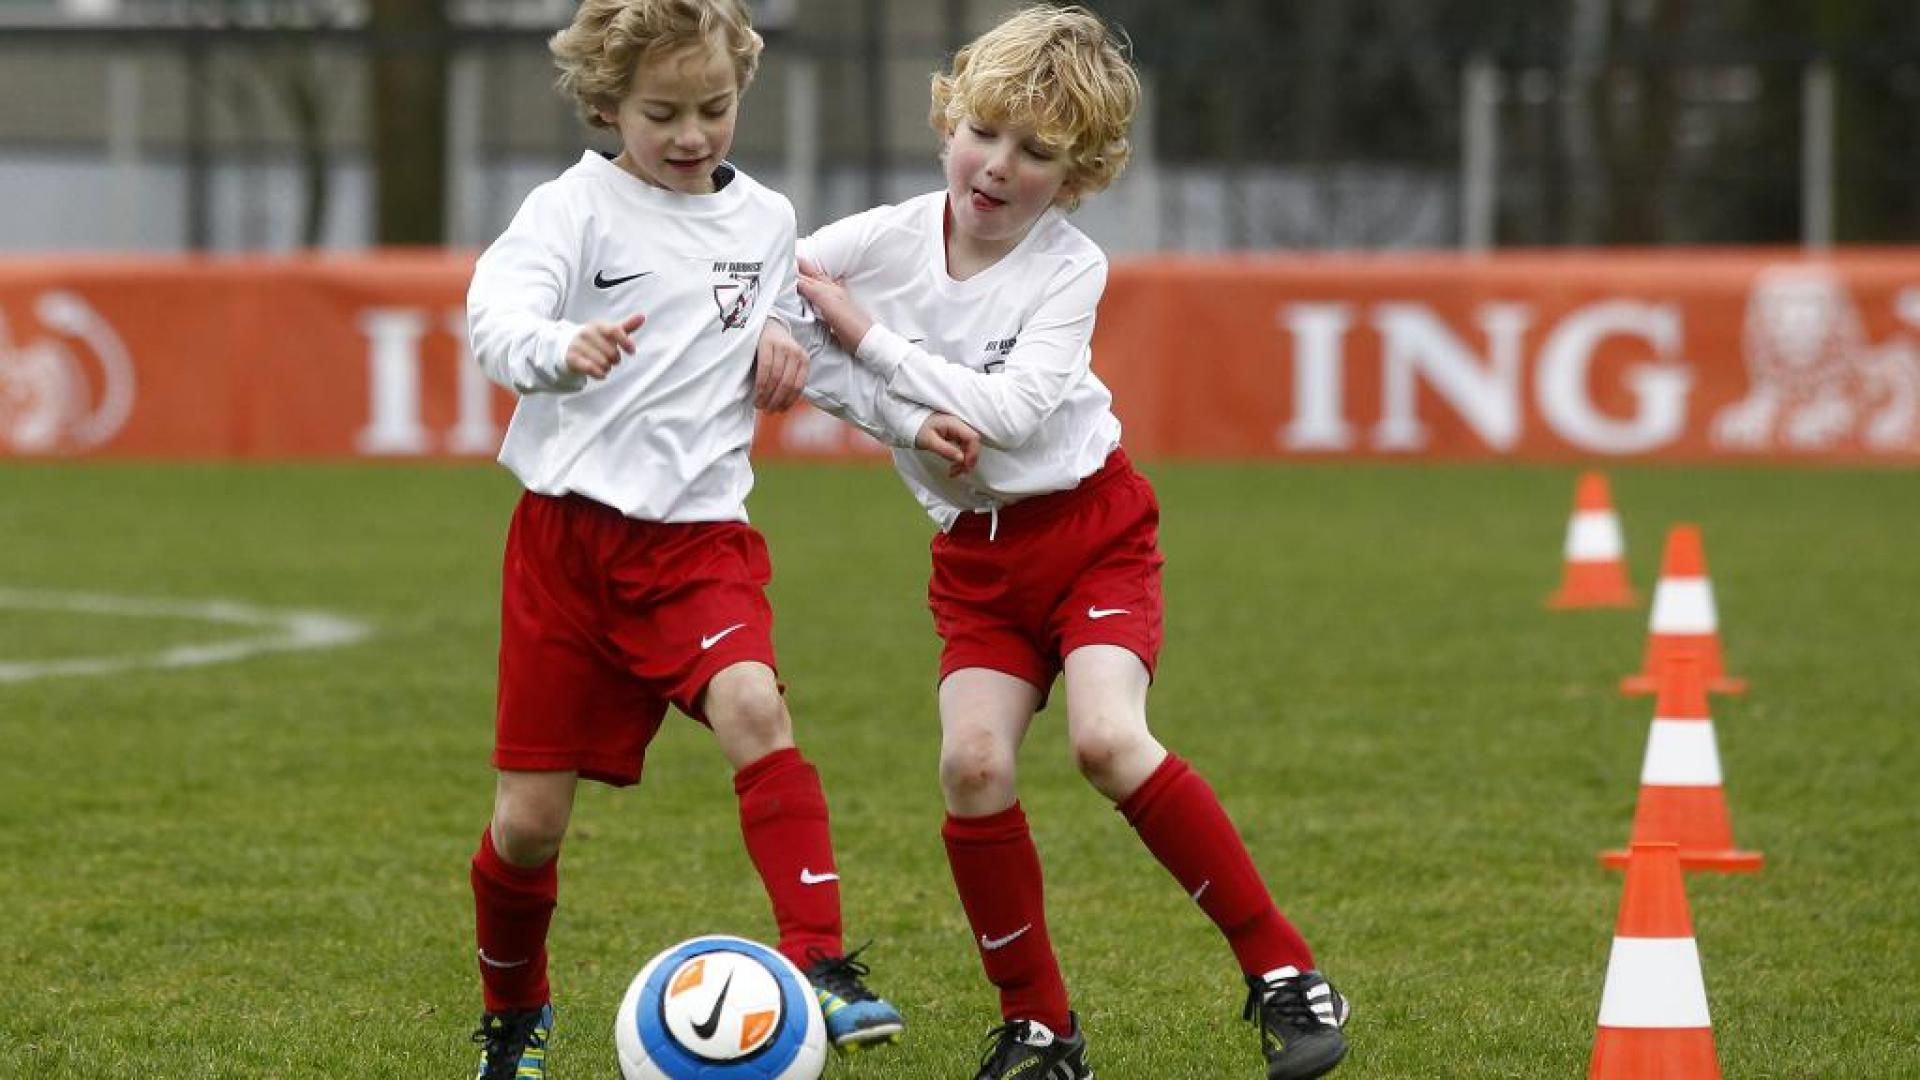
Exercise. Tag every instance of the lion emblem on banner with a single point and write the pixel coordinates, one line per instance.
(49, 399)
(1813, 377)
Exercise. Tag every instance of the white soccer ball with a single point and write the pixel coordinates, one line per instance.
(720, 1008)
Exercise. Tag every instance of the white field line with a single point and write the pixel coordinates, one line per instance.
(280, 631)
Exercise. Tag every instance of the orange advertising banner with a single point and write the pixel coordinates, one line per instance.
(1686, 355)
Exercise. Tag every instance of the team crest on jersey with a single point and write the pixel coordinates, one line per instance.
(735, 296)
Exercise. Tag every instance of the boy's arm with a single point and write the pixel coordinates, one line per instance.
(1007, 406)
(835, 384)
(518, 290)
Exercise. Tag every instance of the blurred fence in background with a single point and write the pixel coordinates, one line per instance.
(166, 125)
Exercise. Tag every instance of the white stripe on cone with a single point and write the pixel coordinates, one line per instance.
(1654, 983)
(1594, 536)
(1681, 753)
(1684, 606)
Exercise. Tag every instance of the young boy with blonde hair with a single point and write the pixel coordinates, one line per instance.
(978, 301)
(625, 306)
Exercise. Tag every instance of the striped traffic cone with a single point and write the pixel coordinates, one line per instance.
(1595, 570)
(1653, 1012)
(1681, 801)
(1684, 621)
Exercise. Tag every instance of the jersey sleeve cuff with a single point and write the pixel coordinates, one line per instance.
(903, 419)
(883, 351)
(552, 363)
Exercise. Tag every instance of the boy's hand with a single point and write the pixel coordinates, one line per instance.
(834, 304)
(952, 438)
(598, 345)
(779, 368)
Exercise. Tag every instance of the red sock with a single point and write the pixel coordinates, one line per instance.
(998, 874)
(512, 908)
(1183, 824)
(783, 815)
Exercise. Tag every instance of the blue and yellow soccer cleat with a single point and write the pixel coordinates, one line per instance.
(856, 1017)
(1300, 1015)
(514, 1044)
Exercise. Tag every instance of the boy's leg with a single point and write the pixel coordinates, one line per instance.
(783, 811)
(516, 884)
(1299, 1014)
(984, 715)
(1173, 809)
(783, 818)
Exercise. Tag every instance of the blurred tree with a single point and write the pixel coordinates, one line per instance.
(293, 72)
(409, 121)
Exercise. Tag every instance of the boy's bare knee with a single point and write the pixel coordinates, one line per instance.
(530, 815)
(748, 715)
(1095, 752)
(526, 833)
(975, 770)
(1112, 753)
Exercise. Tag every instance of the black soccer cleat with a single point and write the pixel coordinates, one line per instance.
(1029, 1050)
(1300, 1016)
(514, 1044)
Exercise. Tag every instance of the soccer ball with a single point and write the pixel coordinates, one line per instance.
(720, 1008)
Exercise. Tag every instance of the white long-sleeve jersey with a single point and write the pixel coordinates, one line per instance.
(1007, 350)
(666, 436)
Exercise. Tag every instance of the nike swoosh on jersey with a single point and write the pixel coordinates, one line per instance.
(1103, 612)
(709, 642)
(808, 877)
(602, 281)
(992, 943)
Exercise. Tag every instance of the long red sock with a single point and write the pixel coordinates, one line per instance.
(783, 815)
(512, 907)
(997, 871)
(1182, 822)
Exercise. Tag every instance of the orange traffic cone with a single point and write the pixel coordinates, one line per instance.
(1683, 618)
(1595, 574)
(1653, 1012)
(1681, 801)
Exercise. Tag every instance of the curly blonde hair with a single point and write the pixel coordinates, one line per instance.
(1059, 70)
(608, 40)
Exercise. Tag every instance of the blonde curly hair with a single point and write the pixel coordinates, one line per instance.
(1062, 71)
(607, 41)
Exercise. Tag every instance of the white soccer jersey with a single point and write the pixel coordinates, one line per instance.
(1007, 350)
(665, 437)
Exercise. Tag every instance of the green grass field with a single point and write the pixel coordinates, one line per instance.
(258, 869)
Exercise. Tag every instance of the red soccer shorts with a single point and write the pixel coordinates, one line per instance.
(1058, 571)
(605, 621)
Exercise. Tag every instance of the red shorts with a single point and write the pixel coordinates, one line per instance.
(605, 621)
(1058, 571)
